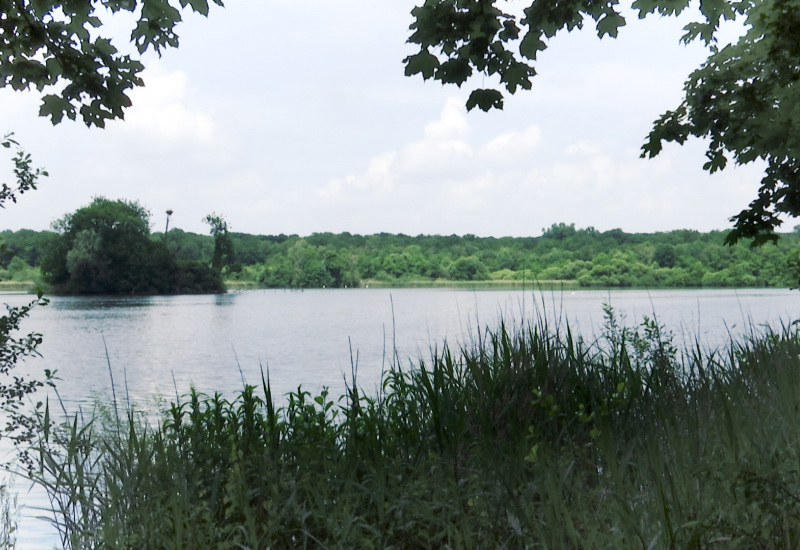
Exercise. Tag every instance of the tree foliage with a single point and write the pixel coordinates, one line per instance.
(224, 253)
(587, 257)
(25, 174)
(26, 245)
(13, 349)
(16, 389)
(584, 257)
(57, 47)
(743, 100)
(105, 248)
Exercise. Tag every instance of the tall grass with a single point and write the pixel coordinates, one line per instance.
(526, 437)
(9, 516)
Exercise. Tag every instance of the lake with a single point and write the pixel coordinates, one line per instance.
(159, 345)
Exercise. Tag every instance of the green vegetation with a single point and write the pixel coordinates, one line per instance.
(17, 388)
(524, 438)
(583, 257)
(59, 47)
(25, 174)
(106, 248)
(562, 255)
(9, 517)
(742, 100)
(528, 437)
(224, 252)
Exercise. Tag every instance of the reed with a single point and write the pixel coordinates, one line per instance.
(9, 516)
(526, 436)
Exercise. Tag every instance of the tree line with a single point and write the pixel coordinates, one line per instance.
(95, 251)
(585, 257)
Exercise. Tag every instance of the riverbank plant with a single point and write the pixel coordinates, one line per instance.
(528, 436)
(9, 516)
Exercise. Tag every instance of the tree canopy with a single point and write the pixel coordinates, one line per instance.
(224, 253)
(56, 47)
(743, 100)
(105, 248)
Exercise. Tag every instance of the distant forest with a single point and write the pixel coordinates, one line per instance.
(581, 257)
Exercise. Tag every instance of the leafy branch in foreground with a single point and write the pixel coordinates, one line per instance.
(56, 45)
(16, 389)
(25, 174)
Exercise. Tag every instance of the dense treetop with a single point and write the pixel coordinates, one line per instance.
(106, 248)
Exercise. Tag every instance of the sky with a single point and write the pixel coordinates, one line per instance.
(295, 117)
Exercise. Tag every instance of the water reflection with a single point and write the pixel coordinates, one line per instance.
(225, 299)
(83, 303)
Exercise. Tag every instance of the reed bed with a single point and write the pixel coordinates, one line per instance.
(528, 436)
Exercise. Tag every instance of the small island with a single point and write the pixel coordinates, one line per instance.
(107, 248)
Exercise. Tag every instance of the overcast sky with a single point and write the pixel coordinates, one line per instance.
(294, 116)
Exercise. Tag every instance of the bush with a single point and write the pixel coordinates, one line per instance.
(21, 271)
(468, 268)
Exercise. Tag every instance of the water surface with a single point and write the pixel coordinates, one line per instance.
(156, 345)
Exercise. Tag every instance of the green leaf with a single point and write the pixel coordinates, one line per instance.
(485, 99)
(714, 9)
(518, 75)
(454, 71)
(510, 31)
(609, 24)
(651, 148)
(531, 45)
(663, 7)
(54, 67)
(424, 62)
(644, 7)
(747, 155)
(717, 161)
(200, 6)
(54, 107)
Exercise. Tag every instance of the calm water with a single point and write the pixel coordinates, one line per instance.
(159, 345)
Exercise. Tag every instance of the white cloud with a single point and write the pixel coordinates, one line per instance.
(513, 145)
(515, 177)
(452, 123)
(377, 178)
(161, 111)
(583, 148)
(440, 156)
